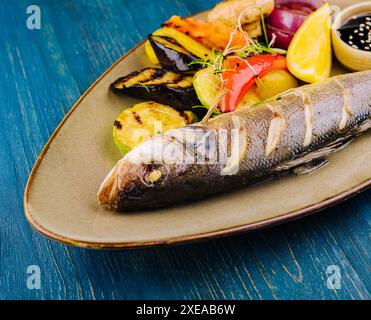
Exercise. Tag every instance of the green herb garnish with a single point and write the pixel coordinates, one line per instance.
(142, 85)
(264, 28)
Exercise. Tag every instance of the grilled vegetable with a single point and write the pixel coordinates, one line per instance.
(240, 11)
(286, 19)
(144, 120)
(241, 74)
(159, 85)
(193, 46)
(250, 98)
(211, 35)
(254, 29)
(206, 85)
(268, 86)
(274, 83)
(309, 57)
(299, 130)
(172, 55)
(151, 53)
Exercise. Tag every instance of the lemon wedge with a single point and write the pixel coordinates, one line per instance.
(309, 55)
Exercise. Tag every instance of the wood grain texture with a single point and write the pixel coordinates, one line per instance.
(42, 73)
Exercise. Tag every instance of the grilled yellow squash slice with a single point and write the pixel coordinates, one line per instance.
(144, 120)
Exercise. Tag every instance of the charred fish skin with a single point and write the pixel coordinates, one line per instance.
(303, 125)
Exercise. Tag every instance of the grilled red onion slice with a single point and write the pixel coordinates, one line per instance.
(287, 18)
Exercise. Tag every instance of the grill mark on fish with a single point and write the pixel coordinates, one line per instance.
(346, 111)
(238, 148)
(309, 119)
(276, 128)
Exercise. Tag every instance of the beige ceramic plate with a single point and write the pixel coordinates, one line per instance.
(60, 197)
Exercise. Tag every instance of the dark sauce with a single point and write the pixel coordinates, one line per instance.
(356, 31)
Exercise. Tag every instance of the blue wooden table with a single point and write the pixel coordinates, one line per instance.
(42, 73)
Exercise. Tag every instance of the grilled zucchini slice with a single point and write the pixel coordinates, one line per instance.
(144, 120)
(206, 85)
(159, 85)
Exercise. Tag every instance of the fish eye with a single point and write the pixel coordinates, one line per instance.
(154, 174)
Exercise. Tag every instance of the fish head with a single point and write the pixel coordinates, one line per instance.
(160, 169)
(145, 168)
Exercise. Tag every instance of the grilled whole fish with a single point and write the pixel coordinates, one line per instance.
(297, 131)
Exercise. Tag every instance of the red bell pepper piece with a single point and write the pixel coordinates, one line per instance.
(240, 75)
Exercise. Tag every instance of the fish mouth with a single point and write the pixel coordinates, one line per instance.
(130, 178)
(119, 178)
(108, 191)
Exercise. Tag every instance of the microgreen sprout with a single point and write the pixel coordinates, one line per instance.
(264, 27)
(250, 48)
(141, 85)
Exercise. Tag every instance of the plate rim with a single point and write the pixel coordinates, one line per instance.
(299, 213)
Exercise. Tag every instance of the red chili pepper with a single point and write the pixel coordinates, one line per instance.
(240, 76)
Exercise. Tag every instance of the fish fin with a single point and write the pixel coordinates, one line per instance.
(312, 158)
(364, 126)
(310, 167)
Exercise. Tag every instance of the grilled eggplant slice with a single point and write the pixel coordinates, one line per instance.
(159, 85)
(144, 120)
(172, 55)
(151, 53)
(193, 46)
